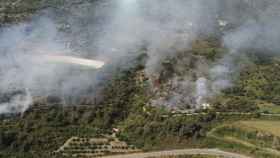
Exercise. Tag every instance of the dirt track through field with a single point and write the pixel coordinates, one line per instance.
(214, 152)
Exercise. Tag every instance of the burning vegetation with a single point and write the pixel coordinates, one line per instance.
(164, 74)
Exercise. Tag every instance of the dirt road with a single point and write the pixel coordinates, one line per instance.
(214, 152)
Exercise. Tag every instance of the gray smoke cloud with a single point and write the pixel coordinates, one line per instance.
(260, 32)
(257, 31)
(16, 103)
(108, 30)
(163, 28)
(24, 68)
(253, 25)
(114, 31)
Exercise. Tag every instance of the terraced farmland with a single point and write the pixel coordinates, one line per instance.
(94, 147)
(261, 138)
(272, 127)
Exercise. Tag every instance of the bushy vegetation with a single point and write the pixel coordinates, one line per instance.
(257, 86)
(43, 129)
(154, 131)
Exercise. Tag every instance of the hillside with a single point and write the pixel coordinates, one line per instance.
(204, 95)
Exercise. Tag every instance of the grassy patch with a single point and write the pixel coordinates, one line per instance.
(272, 127)
(258, 138)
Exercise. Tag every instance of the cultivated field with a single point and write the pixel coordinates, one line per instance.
(260, 138)
(272, 127)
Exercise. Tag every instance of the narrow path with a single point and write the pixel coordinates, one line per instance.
(238, 141)
(214, 152)
(220, 113)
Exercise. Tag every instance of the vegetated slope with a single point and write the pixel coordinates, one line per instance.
(176, 85)
(15, 11)
(44, 128)
(47, 125)
(256, 87)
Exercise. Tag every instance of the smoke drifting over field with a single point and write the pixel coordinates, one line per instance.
(112, 30)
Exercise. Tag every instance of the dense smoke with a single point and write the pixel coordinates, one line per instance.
(24, 67)
(113, 31)
(162, 27)
(257, 31)
(253, 25)
(260, 32)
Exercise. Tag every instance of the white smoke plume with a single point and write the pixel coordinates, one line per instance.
(201, 90)
(254, 26)
(36, 62)
(257, 32)
(163, 28)
(17, 103)
(113, 31)
(107, 30)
